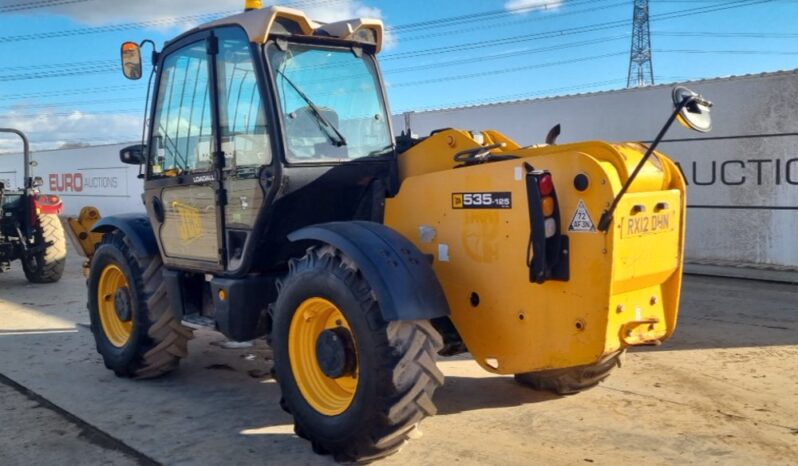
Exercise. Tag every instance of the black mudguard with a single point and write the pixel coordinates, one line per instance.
(401, 276)
(137, 229)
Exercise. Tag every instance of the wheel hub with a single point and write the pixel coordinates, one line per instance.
(122, 305)
(335, 352)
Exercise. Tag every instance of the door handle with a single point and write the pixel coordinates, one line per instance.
(157, 209)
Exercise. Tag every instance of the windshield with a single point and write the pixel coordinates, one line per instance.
(331, 102)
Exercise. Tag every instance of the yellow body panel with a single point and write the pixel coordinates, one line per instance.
(624, 285)
(79, 230)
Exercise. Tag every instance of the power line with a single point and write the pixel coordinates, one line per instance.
(480, 27)
(569, 31)
(70, 113)
(478, 16)
(748, 35)
(506, 70)
(82, 103)
(76, 71)
(727, 52)
(38, 4)
(516, 97)
(92, 67)
(69, 92)
(105, 29)
(168, 21)
(512, 54)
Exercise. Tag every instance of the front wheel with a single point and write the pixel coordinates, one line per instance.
(572, 380)
(134, 327)
(47, 265)
(357, 386)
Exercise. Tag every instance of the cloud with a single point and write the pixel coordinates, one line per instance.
(172, 16)
(48, 131)
(103, 12)
(525, 6)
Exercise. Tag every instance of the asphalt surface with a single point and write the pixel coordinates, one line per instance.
(724, 390)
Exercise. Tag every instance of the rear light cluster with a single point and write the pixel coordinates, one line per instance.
(548, 247)
(548, 204)
(48, 204)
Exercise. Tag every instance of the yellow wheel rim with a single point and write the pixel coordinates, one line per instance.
(326, 395)
(117, 331)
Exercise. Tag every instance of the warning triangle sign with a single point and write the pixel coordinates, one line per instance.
(582, 220)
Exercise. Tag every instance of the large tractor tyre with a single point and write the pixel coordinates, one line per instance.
(134, 327)
(572, 380)
(47, 266)
(357, 386)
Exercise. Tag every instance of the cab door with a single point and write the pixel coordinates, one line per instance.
(184, 192)
(246, 142)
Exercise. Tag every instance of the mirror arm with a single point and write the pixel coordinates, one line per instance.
(606, 217)
(155, 54)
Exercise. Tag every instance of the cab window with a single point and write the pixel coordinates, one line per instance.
(332, 103)
(244, 132)
(183, 129)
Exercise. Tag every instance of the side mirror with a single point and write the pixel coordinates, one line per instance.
(132, 155)
(131, 60)
(37, 182)
(695, 114)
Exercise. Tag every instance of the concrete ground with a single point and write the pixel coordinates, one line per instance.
(724, 391)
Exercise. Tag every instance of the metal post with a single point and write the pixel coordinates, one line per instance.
(25, 151)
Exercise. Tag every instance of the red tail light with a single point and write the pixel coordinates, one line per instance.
(45, 204)
(546, 185)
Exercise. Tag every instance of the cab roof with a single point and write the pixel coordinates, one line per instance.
(262, 23)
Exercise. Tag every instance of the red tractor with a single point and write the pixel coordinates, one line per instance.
(30, 230)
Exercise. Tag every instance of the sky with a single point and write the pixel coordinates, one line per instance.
(61, 82)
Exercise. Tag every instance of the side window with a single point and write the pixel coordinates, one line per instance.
(245, 137)
(183, 131)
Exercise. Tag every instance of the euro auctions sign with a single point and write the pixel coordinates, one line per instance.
(90, 176)
(89, 181)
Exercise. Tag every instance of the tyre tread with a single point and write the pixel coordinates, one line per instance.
(572, 380)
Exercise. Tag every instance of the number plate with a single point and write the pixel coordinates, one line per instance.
(500, 200)
(642, 225)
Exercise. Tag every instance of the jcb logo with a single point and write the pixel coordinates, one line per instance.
(190, 221)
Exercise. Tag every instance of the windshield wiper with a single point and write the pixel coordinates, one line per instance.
(337, 138)
(385, 150)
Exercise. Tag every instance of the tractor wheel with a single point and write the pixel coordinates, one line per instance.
(48, 265)
(572, 380)
(134, 327)
(357, 386)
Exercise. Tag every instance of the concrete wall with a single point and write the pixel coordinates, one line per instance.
(86, 176)
(743, 176)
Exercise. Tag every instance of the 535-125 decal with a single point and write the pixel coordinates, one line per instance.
(494, 200)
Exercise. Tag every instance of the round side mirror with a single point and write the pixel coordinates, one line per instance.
(131, 60)
(695, 114)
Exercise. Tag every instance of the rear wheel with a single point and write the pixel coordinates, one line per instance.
(47, 266)
(572, 380)
(357, 386)
(134, 327)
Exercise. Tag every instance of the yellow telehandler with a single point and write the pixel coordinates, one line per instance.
(279, 204)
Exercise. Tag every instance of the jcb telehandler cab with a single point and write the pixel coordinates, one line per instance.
(279, 204)
(30, 230)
